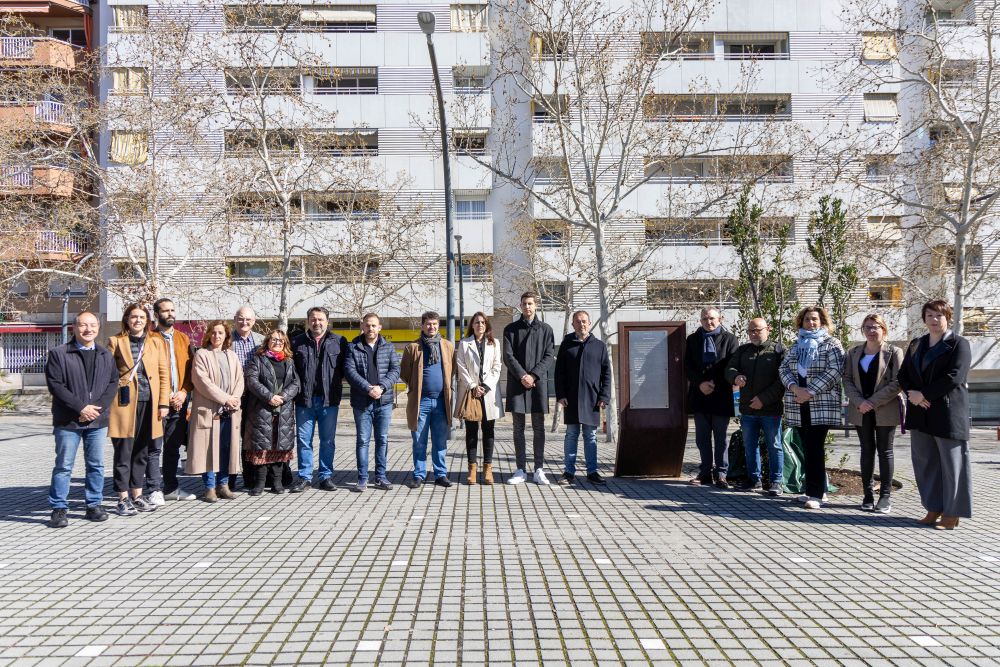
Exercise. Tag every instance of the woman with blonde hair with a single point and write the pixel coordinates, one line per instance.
(142, 403)
(811, 373)
(873, 406)
(213, 443)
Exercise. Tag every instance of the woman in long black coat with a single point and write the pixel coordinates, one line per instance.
(272, 384)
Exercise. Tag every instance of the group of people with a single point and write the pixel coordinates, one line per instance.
(923, 389)
(243, 403)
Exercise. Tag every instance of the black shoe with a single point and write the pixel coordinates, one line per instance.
(299, 485)
(883, 506)
(96, 513)
(280, 490)
(442, 481)
(868, 504)
(327, 485)
(751, 485)
(701, 480)
(595, 478)
(414, 483)
(383, 484)
(566, 479)
(723, 483)
(256, 491)
(58, 519)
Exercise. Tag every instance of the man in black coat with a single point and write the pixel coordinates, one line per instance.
(83, 379)
(710, 396)
(527, 352)
(319, 362)
(583, 388)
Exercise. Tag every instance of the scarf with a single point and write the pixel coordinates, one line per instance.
(709, 354)
(808, 345)
(277, 356)
(433, 345)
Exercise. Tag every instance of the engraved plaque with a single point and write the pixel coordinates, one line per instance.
(648, 380)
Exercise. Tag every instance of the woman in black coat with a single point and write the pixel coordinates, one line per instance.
(934, 376)
(272, 385)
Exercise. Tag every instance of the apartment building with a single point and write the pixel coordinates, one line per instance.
(45, 194)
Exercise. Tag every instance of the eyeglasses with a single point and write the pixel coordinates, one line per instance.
(871, 327)
(758, 330)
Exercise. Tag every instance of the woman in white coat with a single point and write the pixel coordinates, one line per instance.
(477, 365)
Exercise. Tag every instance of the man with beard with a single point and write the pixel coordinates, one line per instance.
(163, 487)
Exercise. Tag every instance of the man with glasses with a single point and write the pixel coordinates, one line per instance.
(710, 395)
(245, 343)
(754, 369)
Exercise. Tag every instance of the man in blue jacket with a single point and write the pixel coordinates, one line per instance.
(82, 378)
(372, 370)
(319, 361)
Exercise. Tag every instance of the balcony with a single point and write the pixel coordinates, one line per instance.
(37, 52)
(36, 116)
(59, 8)
(38, 180)
(45, 245)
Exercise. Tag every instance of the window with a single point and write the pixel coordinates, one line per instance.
(20, 289)
(549, 45)
(340, 18)
(129, 18)
(60, 287)
(887, 291)
(129, 81)
(276, 81)
(764, 168)
(685, 231)
(259, 204)
(679, 170)
(953, 73)
(74, 36)
(943, 257)
(755, 107)
(550, 233)
(662, 294)
(361, 205)
(468, 18)
(130, 148)
(258, 17)
(550, 169)
(469, 142)
(343, 143)
(549, 108)
(755, 45)
(975, 321)
(477, 267)
(247, 142)
(553, 293)
(468, 80)
(673, 46)
(678, 107)
(881, 108)
(470, 209)
(346, 81)
(253, 271)
(885, 228)
(878, 46)
(879, 167)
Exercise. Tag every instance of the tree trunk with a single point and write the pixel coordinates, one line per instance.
(604, 285)
(957, 321)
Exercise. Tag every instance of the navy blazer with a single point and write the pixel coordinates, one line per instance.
(66, 378)
(943, 382)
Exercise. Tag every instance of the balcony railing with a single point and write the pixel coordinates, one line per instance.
(336, 90)
(17, 48)
(16, 177)
(756, 56)
(51, 112)
(731, 118)
(63, 243)
(480, 216)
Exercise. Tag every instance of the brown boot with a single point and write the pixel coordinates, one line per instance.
(223, 492)
(472, 474)
(488, 474)
(947, 523)
(930, 519)
(210, 496)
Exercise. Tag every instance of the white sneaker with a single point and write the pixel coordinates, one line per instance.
(804, 498)
(518, 477)
(185, 495)
(813, 504)
(156, 498)
(540, 477)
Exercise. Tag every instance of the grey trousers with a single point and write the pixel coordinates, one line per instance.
(537, 440)
(943, 471)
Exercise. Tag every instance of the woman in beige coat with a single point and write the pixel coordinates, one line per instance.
(137, 413)
(873, 408)
(477, 367)
(213, 443)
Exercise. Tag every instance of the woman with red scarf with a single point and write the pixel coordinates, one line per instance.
(269, 440)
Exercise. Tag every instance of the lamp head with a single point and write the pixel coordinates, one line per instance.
(426, 21)
(458, 237)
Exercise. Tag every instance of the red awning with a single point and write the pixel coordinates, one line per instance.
(30, 328)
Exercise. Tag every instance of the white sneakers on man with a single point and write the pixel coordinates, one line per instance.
(518, 477)
(540, 477)
(156, 498)
(813, 504)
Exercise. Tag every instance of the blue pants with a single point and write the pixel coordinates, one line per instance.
(570, 443)
(221, 477)
(433, 421)
(67, 445)
(751, 426)
(375, 418)
(307, 417)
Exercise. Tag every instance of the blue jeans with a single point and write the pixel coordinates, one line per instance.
(67, 444)
(432, 420)
(751, 426)
(221, 477)
(307, 417)
(373, 418)
(570, 443)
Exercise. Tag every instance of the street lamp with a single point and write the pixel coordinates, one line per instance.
(461, 282)
(426, 22)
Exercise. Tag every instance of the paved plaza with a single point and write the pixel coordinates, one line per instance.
(637, 572)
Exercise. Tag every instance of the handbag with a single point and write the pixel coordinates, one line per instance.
(472, 408)
(124, 388)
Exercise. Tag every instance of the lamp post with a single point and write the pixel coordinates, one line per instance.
(461, 291)
(426, 21)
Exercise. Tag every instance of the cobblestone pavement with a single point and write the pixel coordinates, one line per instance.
(637, 572)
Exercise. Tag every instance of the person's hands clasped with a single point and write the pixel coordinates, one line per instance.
(233, 403)
(276, 400)
(740, 381)
(707, 387)
(918, 399)
(866, 407)
(756, 403)
(801, 394)
(90, 413)
(528, 381)
(177, 400)
(478, 392)
(163, 412)
(375, 392)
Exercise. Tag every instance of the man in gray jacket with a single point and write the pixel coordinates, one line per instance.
(527, 352)
(754, 369)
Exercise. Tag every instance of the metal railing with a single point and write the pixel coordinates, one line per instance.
(51, 112)
(344, 90)
(756, 56)
(61, 242)
(482, 216)
(749, 117)
(17, 48)
(16, 177)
